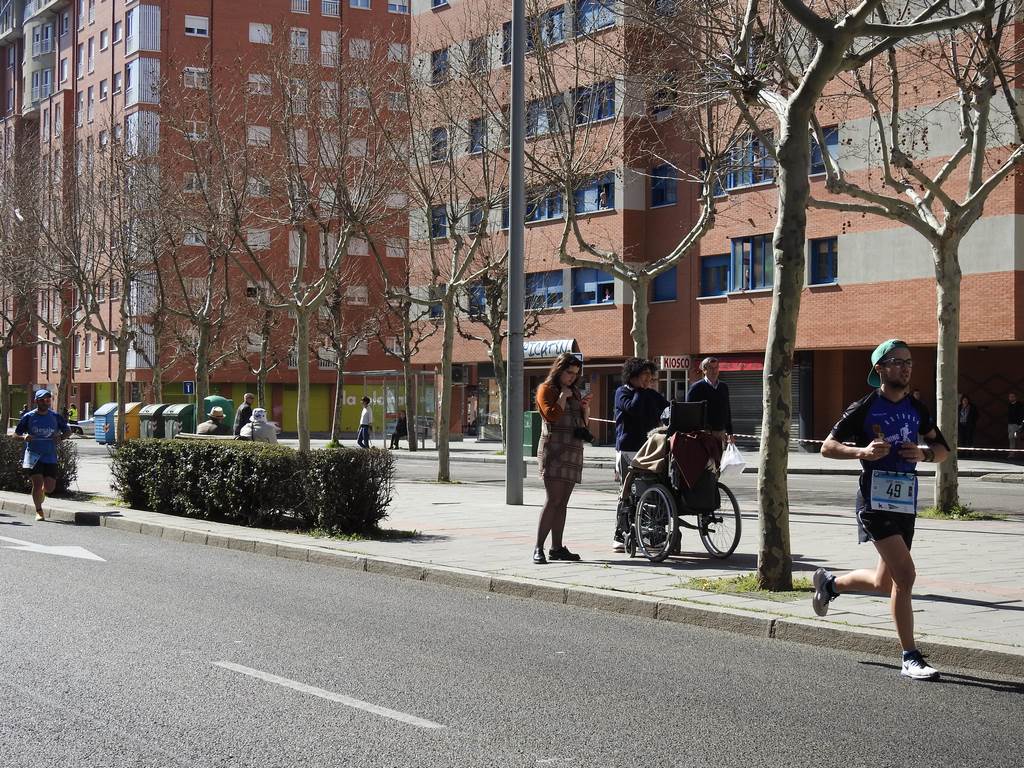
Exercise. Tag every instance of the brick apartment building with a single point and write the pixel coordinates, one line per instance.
(867, 279)
(75, 72)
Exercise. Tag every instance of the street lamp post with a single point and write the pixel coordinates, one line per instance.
(516, 307)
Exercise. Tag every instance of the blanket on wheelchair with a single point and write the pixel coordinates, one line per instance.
(695, 453)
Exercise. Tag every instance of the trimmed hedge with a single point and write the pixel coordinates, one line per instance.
(339, 491)
(14, 478)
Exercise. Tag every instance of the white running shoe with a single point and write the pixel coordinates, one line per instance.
(822, 597)
(618, 546)
(916, 668)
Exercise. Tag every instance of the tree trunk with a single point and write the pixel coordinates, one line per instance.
(641, 308)
(5, 389)
(202, 368)
(501, 374)
(66, 368)
(444, 415)
(302, 353)
(339, 399)
(122, 376)
(409, 377)
(947, 367)
(774, 560)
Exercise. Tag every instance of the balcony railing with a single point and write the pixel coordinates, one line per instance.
(39, 47)
(300, 55)
(40, 92)
(300, 6)
(35, 6)
(331, 8)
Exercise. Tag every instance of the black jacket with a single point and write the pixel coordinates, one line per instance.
(717, 398)
(242, 417)
(637, 412)
(1015, 413)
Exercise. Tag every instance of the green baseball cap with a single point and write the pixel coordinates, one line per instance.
(879, 354)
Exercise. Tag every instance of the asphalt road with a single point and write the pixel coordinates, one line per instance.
(169, 654)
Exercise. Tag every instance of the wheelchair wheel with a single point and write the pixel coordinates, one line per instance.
(720, 530)
(655, 522)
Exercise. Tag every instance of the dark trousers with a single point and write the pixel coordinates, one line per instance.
(363, 436)
(395, 437)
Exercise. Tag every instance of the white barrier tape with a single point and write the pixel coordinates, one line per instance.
(959, 450)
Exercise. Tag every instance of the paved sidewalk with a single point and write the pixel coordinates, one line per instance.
(800, 462)
(969, 597)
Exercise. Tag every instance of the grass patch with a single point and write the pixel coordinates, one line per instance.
(746, 584)
(958, 512)
(381, 534)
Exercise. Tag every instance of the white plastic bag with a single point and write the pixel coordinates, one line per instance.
(732, 462)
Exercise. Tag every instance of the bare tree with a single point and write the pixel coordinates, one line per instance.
(781, 56)
(456, 178)
(941, 197)
(17, 281)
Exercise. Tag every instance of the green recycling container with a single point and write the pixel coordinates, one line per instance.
(151, 420)
(179, 418)
(531, 432)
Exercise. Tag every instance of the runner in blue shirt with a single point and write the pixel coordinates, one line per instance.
(41, 429)
(884, 428)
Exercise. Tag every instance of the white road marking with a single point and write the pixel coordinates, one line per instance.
(348, 701)
(42, 549)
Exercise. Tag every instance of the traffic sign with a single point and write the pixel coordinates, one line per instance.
(188, 387)
(675, 362)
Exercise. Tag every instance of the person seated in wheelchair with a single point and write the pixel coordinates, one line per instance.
(682, 453)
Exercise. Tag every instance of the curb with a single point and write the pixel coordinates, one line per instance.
(971, 655)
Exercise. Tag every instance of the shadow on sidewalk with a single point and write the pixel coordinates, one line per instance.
(998, 606)
(954, 678)
(18, 523)
(742, 561)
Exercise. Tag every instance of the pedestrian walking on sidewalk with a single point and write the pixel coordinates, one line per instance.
(41, 429)
(365, 421)
(885, 427)
(244, 413)
(560, 455)
(1014, 420)
(638, 409)
(967, 421)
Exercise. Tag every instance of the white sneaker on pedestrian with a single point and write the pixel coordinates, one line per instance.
(916, 668)
(618, 546)
(822, 594)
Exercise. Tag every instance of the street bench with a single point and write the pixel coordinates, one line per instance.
(194, 436)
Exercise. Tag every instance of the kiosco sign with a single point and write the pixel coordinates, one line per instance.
(675, 363)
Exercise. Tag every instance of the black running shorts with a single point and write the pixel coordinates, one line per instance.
(875, 526)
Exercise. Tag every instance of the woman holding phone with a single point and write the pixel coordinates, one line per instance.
(560, 457)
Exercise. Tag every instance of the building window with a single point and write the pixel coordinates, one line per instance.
(330, 8)
(476, 56)
(592, 286)
(664, 286)
(749, 163)
(104, 40)
(752, 263)
(438, 144)
(477, 133)
(438, 222)
(824, 261)
(398, 52)
(117, 82)
(439, 66)
(365, 4)
(548, 28)
(359, 48)
(436, 291)
(258, 239)
(196, 77)
(395, 248)
(194, 183)
(595, 102)
(714, 275)
(831, 142)
(261, 34)
(506, 43)
(544, 290)
(118, 31)
(258, 136)
(664, 186)
(596, 195)
(592, 15)
(259, 85)
(398, 6)
(329, 51)
(542, 116)
(104, 90)
(197, 26)
(544, 205)
(475, 216)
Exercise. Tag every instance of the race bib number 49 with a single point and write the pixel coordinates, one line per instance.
(893, 492)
